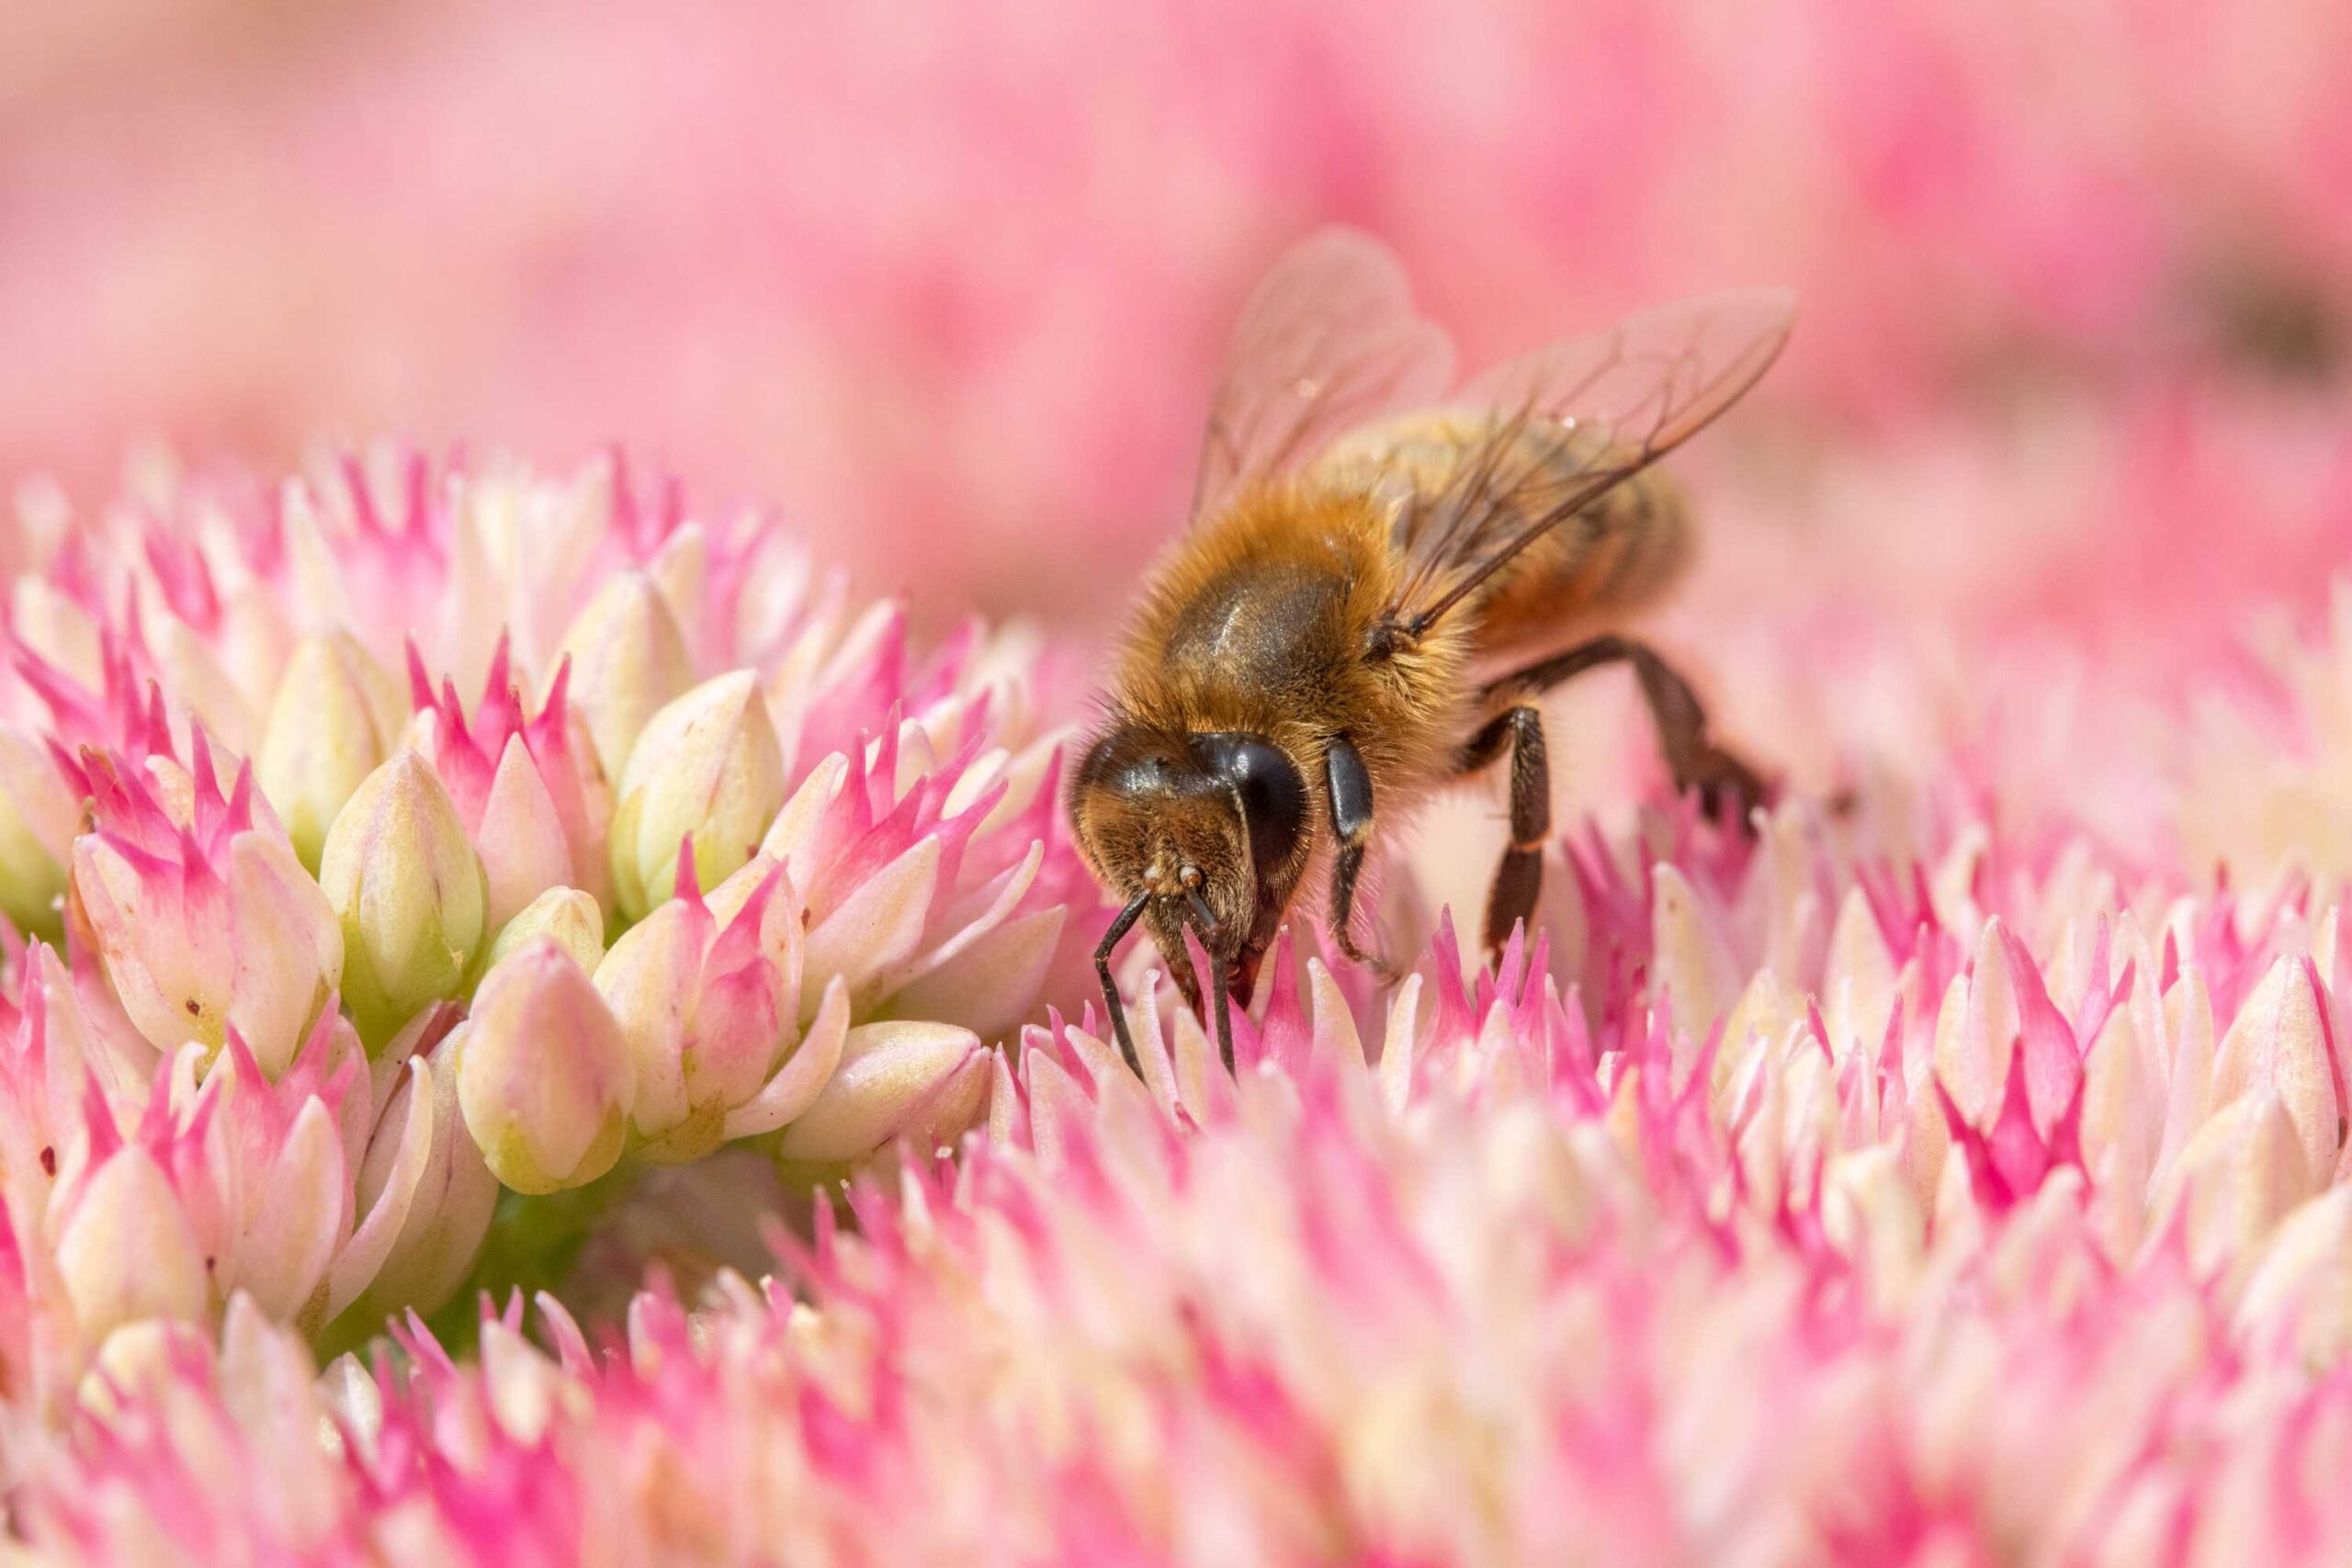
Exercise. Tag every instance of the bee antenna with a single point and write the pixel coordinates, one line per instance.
(1120, 926)
(1204, 919)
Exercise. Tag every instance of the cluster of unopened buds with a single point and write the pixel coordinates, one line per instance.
(327, 957)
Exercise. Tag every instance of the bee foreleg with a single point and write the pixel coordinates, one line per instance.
(1519, 878)
(1109, 944)
(1203, 922)
(1350, 789)
(1696, 761)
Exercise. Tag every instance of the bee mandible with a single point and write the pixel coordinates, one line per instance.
(1376, 580)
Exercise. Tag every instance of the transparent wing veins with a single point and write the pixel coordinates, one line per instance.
(1327, 342)
(1628, 396)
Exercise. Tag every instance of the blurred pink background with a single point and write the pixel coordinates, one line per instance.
(947, 282)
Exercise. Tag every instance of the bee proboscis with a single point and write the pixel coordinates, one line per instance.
(1379, 573)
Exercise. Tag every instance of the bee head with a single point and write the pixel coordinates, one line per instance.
(1221, 816)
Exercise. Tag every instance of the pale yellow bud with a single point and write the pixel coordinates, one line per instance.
(567, 916)
(409, 892)
(37, 818)
(629, 657)
(543, 1077)
(337, 716)
(129, 1251)
(898, 1080)
(708, 766)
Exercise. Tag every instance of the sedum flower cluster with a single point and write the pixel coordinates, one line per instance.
(405, 841)
(1928, 1176)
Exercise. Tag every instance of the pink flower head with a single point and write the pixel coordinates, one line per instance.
(707, 993)
(529, 789)
(126, 714)
(929, 881)
(194, 901)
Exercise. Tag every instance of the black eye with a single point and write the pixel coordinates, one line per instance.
(1274, 798)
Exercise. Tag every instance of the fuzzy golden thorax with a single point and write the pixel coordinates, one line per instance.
(1259, 622)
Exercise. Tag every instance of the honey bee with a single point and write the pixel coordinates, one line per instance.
(1376, 579)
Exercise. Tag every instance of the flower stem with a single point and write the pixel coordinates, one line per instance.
(533, 1244)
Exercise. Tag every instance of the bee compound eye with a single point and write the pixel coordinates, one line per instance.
(1272, 797)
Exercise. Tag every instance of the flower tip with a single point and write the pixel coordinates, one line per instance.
(566, 915)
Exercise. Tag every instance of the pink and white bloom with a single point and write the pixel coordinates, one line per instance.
(707, 994)
(198, 908)
(159, 1204)
(1927, 1170)
(1956, 1172)
(530, 790)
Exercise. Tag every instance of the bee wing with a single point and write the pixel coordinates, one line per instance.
(1328, 340)
(1631, 395)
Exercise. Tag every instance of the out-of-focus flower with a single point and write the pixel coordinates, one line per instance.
(203, 917)
(707, 768)
(37, 827)
(400, 876)
(630, 661)
(1966, 218)
(544, 1074)
(1324, 1303)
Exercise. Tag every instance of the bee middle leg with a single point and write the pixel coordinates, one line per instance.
(1519, 878)
(1696, 761)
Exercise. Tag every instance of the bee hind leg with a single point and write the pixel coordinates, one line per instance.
(1519, 878)
(1696, 761)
